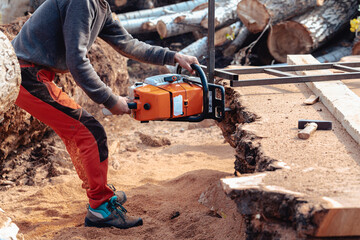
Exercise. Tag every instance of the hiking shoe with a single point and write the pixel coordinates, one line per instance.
(111, 214)
(121, 196)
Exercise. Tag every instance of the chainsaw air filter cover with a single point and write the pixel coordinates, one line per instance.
(166, 96)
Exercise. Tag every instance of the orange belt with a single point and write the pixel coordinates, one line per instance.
(25, 64)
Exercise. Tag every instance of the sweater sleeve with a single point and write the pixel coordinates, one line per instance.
(77, 30)
(117, 36)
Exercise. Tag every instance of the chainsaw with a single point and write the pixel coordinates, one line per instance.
(176, 97)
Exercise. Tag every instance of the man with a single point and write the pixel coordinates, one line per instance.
(57, 38)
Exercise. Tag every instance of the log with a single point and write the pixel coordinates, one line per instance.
(256, 14)
(135, 26)
(356, 47)
(224, 15)
(160, 11)
(235, 45)
(334, 54)
(305, 33)
(193, 17)
(166, 27)
(11, 9)
(199, 48)
(10, 75)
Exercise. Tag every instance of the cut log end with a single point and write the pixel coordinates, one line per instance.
(356, 49)
(148, 26)
(253, 14)
(288, 38)
(320, 2)
(120, 3)
(205, 24)
(161, 29)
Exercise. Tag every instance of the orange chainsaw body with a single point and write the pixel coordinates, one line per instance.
(168, 101)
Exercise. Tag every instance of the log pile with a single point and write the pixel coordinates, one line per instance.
(302, 26)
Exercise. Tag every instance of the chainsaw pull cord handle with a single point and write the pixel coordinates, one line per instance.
(205, 88)
(131, 105)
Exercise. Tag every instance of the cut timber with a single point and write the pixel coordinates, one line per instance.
(236, 44)
(356, 47)
(334, 54)
(225, 15)
(199, 48)
(166, 27)
(10, 76)
(134, 26)
(311, 100)
(307, 32)
(156, 12)
(338, 98)
(256, 14)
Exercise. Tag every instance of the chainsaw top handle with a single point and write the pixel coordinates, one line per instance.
(205, 87)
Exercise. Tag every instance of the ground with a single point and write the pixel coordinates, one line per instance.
(164, 183)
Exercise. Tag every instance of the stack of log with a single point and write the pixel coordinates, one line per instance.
(291, 27)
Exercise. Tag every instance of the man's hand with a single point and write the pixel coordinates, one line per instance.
(121, 107)
(185, 61)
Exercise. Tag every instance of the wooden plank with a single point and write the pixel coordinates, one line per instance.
(335, 95)
(340, 222)
(311, 100)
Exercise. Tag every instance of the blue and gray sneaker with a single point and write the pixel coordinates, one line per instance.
(121, 196)
(111, 214)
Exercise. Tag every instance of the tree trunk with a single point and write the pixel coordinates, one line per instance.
(356, 46)
(199, 48)
(225, 15)
(160, 11)
(141, 25)
(10, 76)
(305, 33)
(256, 14)
(238, 42)
(166, 27)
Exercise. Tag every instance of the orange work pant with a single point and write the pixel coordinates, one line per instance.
(84, 137)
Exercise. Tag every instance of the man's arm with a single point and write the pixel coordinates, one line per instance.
(76, 30)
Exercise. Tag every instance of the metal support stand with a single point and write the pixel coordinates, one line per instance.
(211, 41)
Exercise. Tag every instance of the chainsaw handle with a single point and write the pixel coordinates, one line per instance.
(131, 105)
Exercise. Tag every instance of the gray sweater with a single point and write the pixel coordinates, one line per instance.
(60, 33)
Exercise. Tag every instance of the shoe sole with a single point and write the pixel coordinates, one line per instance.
(89, 223)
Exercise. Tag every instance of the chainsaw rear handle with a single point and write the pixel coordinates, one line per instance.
(205, 88)
(131, 105)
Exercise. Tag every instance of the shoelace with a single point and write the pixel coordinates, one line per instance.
(112, 188)
(115, 206)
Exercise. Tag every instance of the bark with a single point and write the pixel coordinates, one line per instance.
(356, 47)
(225, 15)
(199, 48)
(256, 14)
(11, 9)
(235, 45)
(305, 33)
(334, 54)
(166, 27)
(134, 26)
(10, 76)
(160, 11)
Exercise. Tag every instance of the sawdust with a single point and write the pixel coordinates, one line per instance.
(163, 185)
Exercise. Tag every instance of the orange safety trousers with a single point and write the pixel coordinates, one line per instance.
(84, 137)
